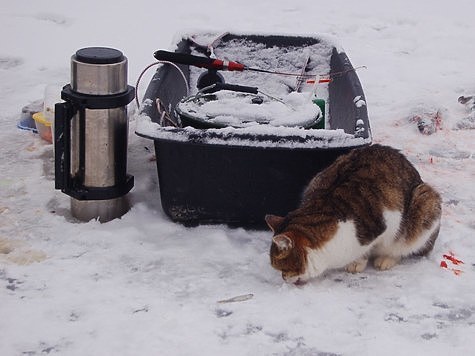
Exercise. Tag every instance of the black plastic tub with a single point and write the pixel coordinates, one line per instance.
(236, 176)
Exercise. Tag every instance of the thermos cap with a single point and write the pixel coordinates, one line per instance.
(99, 55)
(99, 71)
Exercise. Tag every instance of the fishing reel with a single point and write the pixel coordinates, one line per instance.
(208, 78)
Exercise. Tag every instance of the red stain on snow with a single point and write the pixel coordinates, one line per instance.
(454, 261)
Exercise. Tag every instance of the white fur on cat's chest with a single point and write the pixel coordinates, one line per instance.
(344, 247)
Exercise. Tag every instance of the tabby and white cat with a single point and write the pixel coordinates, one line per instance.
(370, 203)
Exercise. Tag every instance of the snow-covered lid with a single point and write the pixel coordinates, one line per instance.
(228, 108)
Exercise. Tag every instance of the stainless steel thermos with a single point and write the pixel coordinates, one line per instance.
(91, 130)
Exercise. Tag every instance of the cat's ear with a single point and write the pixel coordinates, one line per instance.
(283, 242)
(274, 221)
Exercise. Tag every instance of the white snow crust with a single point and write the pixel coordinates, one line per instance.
(282, 107)
(252, 136)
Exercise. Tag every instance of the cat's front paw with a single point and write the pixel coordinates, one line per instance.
(357, 266)
(384, 263)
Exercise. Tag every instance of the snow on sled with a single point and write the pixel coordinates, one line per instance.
(242, 122)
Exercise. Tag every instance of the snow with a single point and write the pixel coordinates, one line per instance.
(289, 60)
(359, 102)
(255, 136)
(144, 285)
(278, 120)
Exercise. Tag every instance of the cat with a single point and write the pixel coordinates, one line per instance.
(370, 203)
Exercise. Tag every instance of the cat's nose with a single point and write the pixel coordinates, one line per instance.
(287, 278)
(294, 280)
(300, 282)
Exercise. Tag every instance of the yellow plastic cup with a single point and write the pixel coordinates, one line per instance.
(43, 126)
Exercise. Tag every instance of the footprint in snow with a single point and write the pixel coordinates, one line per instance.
(53, 18)
(10, 62)
(447, 152)
(18, 252)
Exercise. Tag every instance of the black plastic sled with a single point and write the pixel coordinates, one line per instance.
(223, 167)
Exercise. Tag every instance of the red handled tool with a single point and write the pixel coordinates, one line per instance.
(218, 64)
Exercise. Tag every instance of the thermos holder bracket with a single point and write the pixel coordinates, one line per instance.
(84, 101)
(76, 103)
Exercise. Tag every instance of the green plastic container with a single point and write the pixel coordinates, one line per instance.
(321, 104)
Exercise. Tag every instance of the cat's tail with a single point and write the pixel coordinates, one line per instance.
(423, 219)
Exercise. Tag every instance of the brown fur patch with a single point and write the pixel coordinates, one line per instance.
(360, 185)
(424, 209)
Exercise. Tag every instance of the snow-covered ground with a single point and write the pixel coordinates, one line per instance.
(142, 285)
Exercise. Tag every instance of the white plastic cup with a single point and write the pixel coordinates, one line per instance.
(52, 95)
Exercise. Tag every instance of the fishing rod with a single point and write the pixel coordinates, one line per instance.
(217, 64)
